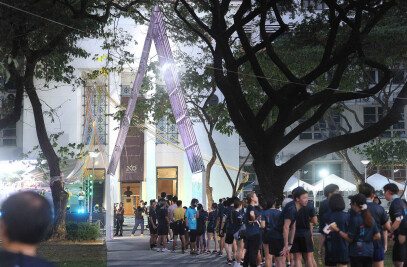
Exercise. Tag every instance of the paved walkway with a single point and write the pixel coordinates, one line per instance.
(134, 251)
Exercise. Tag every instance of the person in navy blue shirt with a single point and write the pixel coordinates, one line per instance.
(381, 220)
(234, 220)
(362, 231)
(397, 212)
(336, 248)
(201, 229)
(211, 232)
(303, 245)
(286, 224)
(252, 220)
(269, 221)
(222, 225)
(329, 190)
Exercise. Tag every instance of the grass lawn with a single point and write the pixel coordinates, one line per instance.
(74, 255)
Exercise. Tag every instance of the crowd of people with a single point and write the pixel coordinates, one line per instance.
(271, 231)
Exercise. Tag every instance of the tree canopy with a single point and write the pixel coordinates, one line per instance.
(338, 39)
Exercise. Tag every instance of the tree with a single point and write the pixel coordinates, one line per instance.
(42, 36)
(341, 32)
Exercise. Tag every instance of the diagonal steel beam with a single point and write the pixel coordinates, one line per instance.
(157, 31)
(125, 123)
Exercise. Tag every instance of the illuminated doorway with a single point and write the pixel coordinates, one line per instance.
(167, 180)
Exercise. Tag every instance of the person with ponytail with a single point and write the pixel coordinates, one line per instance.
(252, 220)
(362, 231)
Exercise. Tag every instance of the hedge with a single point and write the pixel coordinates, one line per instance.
(82, 231)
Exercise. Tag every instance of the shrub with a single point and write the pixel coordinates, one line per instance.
(82, 231)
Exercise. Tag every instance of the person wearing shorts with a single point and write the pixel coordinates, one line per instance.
(163, 226)
(234, 221)
(211, 228)
(152, 223)
(303, 246)
(191, 224)
(201, 229)
(223, 225)
(179, 225)
(269, 220)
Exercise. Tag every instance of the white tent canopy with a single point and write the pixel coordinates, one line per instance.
(333, 179)
(378, 181)
(294, 182)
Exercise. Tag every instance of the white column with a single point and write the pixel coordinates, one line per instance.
(199, 187)
(151, 181)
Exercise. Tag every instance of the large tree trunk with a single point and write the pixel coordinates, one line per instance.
(59, 196)
(270, 182)
(209, 189)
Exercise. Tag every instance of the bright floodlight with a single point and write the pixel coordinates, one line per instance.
(323, 173)
(365, 162)
(93, 154)
(166, 66)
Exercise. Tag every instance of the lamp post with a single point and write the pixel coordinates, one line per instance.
(93, 155)
(365, 162)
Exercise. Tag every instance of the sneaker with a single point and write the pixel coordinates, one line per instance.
(220, 254)
(205, 251)
(165, 250)
(173, 251)
(141, 235)
(132, 235)
(159, 250)
(201, 252)
(197, 251)
(214, 252)
(230, 262)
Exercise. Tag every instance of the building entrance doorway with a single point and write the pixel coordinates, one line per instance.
(168, 186)
(167, 180)
(130, 197)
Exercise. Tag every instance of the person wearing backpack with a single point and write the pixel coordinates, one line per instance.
(361, 232)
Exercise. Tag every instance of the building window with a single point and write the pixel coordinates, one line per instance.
(310, 173)
(371, 115)
(374, 76)
(8, 135)
(314, 4)
(322, 129)
(96, 96)
(167, 130)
